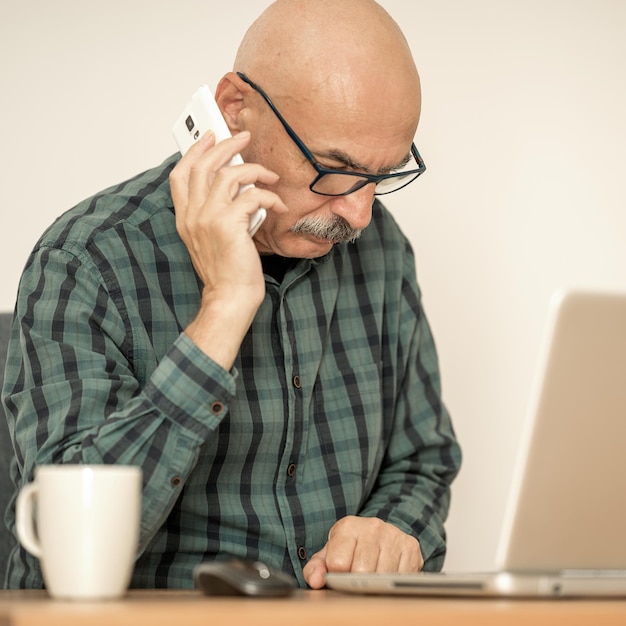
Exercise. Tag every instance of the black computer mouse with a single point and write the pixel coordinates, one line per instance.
(242, 578)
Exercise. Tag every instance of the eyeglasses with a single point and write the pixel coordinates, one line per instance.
(330, 182)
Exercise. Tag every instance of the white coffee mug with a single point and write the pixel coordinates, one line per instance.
(87, 527)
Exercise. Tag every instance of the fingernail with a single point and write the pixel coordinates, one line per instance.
(244, 134)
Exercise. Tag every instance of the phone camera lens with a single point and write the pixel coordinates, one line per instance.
(189, 122)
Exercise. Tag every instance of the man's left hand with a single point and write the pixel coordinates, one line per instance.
(363, 544)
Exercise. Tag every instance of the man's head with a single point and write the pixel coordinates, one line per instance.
(340, 73)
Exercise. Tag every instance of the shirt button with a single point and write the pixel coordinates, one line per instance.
(302, 553)
(296, 382)
(291, 470)
(176, 480)
(217, 408)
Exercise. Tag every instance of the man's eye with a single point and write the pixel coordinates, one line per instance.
(339, 167)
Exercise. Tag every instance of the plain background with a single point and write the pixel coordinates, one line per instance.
(522, 130)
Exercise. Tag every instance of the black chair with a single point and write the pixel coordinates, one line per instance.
(6, 454)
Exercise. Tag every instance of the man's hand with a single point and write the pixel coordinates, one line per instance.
(363, 544)
(212, 220)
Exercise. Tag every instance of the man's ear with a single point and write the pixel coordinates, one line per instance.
(230, 101)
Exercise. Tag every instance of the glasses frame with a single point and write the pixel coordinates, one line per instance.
(322, 171)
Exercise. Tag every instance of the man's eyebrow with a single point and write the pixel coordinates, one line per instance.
(404, 161)
(342, 157)
(350, 163)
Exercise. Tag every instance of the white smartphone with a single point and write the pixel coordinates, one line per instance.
(200, 115)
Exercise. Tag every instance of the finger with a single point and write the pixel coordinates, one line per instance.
(366, 557)
(411, 559)
(399, 552)
(353, 545)
(208, 162)
(229, 181)
(340, 549)
(213, 192)
(388, 561)
(315, 570)
(217, 203)
(179, 176)
(254, 198)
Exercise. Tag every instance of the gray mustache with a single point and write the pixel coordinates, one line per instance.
(336, 229)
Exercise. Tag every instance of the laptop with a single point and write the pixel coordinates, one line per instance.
(564, 531)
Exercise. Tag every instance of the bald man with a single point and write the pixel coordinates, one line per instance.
(281, 393)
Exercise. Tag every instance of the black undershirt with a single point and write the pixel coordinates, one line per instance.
(276, 266)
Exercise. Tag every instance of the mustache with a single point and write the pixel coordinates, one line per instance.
(336, 229)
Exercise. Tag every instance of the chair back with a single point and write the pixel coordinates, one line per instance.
(6, 454)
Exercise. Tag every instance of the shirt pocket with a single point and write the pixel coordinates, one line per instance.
(349, 421)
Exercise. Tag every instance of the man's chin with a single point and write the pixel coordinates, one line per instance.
(300, 246)
(305, 247)
(313, 249)
(315, 243)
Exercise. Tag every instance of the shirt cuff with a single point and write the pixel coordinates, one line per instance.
(188, 387)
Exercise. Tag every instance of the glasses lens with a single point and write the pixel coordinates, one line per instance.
(387, 185)
(342, 183)
(405, 175)
(331, 184)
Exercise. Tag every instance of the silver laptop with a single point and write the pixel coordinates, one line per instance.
(564, 532)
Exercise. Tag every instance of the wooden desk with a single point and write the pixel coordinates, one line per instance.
(304, 608)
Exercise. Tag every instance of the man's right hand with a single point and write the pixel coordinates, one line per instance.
(212, 219)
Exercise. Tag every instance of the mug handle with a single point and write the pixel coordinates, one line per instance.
(24, 520)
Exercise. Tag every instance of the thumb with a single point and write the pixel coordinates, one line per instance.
(315, 570)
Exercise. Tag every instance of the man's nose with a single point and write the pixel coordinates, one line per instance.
(356, 207)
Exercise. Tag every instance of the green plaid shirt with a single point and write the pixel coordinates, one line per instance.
(333, 407)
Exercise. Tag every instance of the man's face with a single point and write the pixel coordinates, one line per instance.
(310, 227)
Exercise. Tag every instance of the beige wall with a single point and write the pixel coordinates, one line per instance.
(522, 130)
